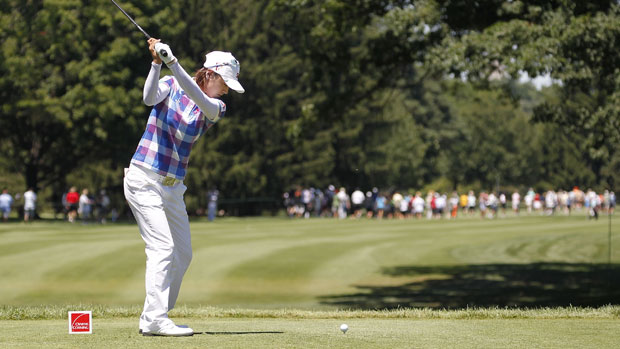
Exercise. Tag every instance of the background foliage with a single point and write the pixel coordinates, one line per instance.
(393, 94)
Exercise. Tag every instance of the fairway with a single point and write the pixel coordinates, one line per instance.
(324, 272)
(323, 263)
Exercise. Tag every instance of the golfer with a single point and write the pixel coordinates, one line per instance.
(183, 109)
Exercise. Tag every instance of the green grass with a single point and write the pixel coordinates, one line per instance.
(324, 333)
(527, 281)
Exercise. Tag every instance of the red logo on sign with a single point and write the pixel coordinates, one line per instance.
(80, 322)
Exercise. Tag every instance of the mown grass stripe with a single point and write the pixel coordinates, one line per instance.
(250, 262)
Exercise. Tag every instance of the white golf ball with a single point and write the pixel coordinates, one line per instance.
(344, 328)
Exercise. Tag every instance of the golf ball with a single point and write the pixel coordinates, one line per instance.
(344, 328)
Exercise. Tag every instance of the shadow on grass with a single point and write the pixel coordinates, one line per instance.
(237, 333)
(488, 285)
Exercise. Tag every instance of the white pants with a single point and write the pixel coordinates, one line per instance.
(164, 226)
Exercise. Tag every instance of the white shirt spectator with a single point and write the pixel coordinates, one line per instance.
(30, 200)
(454, 201)
(592, 198)
(516, 200)
(528, 200)
(357, 198)
(471, 200)
(550, 199)
(6, 200)
(404, 204)
(342, 196)
(397, 198)
(84, 204)
(492, 201)
(440, 202)
(306, 196)
(418, 204)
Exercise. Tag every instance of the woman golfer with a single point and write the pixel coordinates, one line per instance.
(183, 109)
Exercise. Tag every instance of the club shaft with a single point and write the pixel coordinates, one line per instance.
(131, 19)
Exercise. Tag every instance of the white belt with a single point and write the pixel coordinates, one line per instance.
(164, 180)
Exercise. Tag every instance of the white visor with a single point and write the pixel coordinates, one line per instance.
(225, 64)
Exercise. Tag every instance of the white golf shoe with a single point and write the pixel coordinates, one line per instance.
(171, 331)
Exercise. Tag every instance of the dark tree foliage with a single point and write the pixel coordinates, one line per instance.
(393, 94)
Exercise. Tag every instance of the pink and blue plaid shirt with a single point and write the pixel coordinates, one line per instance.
(174, 125)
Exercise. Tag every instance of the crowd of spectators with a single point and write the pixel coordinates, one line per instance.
(332, 202)
(335, 202)
(27, 199)
(72, 206)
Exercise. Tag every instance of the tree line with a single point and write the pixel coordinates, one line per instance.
(403, 94)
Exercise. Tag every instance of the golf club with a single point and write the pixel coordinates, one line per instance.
(162, 52)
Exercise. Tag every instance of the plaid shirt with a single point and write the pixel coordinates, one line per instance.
(174, 125)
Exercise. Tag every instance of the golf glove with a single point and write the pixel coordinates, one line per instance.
(164, 52)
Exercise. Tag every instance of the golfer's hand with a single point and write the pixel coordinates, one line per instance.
(152, 42)
(165, 53)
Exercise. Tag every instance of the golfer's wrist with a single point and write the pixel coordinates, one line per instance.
(173, 61)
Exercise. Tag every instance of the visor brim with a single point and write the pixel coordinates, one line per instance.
(234, 85)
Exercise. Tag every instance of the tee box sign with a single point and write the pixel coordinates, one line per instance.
(80, 322)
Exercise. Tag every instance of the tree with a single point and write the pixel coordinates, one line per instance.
(71, 74)
(575, 42)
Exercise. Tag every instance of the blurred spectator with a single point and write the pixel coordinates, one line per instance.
(299, 205)
(537, 203)
(471, 202)
(344, 203)
(404, 206)
(493, 203)
(454, 204)
(369, 205)
(502, 202)
(562, 200)
(529, 200)
(463, 202)
(113, 215)
(516, 201)
(551, 202)
(72, 198)
(606, 203)
(85, 206)
(357, 201)
(482, 204)
(103, 206)
(287, 201)
(306, 199)
(440, 204)
(396, 200)
(380, 205)
(580, 198)
(388, 212)
(65, 205)
(593, 202)
(418, 205)
(6, 201)
(212, 197)
(429, 204)
(30, 204)
(317, 204)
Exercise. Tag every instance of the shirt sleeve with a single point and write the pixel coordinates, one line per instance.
(154, 92)
(213, 108)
